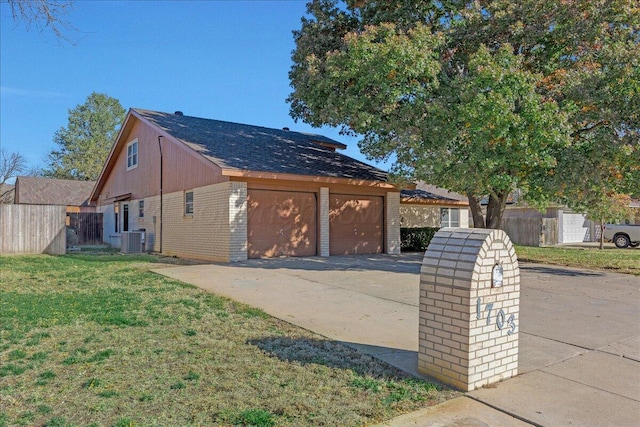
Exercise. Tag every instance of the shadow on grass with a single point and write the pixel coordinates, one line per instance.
(332, 354)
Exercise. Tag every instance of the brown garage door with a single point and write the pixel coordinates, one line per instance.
(355, 224)
(281, 223)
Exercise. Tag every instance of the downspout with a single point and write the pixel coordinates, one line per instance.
(160, 147)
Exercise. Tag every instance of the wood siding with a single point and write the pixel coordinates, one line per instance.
(32, 229)
(182, 167)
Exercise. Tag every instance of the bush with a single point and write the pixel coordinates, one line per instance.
(416, 239)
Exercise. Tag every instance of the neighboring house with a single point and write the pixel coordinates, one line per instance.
(84, 225)
(214, 190)
(48, 191)
(571, 227)
(431, 206)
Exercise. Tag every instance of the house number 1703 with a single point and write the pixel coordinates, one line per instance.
(499, 316)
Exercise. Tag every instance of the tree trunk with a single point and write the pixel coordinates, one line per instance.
(495, 209)
(476, 211)
(601, 233)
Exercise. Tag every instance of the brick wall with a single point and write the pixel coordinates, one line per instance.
(416, 216)
(324, 221)
(392, 226)
(468, 329)
(237, 221)
(206, 234)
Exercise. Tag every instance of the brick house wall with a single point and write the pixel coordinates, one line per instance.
(416, 216)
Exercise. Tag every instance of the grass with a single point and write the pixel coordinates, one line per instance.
(610, 259)
(90, 340)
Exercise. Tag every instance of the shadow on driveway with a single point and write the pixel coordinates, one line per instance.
(558, 271)
(405, 263)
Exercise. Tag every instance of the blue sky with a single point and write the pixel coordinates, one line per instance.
(225, 60)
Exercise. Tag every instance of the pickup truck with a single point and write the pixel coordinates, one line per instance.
(622, 236)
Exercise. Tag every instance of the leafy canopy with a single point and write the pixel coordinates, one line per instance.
(480, 97)
(84, 144)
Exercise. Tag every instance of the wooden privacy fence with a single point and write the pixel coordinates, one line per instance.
(32, 229)
(531, 231)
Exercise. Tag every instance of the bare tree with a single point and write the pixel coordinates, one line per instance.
(43, 14)
(11, 165)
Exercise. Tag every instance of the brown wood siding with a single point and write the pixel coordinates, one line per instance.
(182, 168)
(355, 224)
(281, 223)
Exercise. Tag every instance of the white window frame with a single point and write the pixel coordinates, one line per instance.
(188, 205)
(132, 154)
(446, 217)
(141, 208)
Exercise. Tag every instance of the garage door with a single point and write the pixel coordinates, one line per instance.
(281, 223)
(573, 228)
(355, 224)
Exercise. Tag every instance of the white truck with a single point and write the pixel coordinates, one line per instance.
(622, 236)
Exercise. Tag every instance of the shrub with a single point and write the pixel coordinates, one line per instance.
(416, 239)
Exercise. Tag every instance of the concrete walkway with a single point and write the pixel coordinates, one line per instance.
(579, 359)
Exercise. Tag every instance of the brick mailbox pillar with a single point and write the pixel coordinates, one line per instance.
(469, 307)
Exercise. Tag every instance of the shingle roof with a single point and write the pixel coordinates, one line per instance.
(427, 192)
(254, 148)
(48, 191)
(6, 193)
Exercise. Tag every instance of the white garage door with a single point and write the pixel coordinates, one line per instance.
(574, 228)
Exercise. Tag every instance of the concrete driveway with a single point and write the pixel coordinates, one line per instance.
(579, 358)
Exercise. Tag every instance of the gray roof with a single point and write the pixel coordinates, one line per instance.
(427, 192)
(260, 149)
(49, 191)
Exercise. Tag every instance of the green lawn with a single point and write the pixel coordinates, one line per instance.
(101, 341)
(609, 259)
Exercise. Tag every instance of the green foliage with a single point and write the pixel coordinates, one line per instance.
(482, 98)
(177, 386)
(192, 376)
(255, 417)
(125, 422)
(416, 239)
(84, 144)
(11, 369)
(17, 354)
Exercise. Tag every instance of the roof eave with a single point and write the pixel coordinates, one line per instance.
(413, 201)
(235, 173)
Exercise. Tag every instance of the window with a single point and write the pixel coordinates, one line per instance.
(449, 217)
(188, 203)
(141, 209)
(132, 154)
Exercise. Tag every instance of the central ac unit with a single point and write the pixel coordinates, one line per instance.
(131, 242)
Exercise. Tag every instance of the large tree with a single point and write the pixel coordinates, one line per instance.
(84, 144)
(481, 97)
